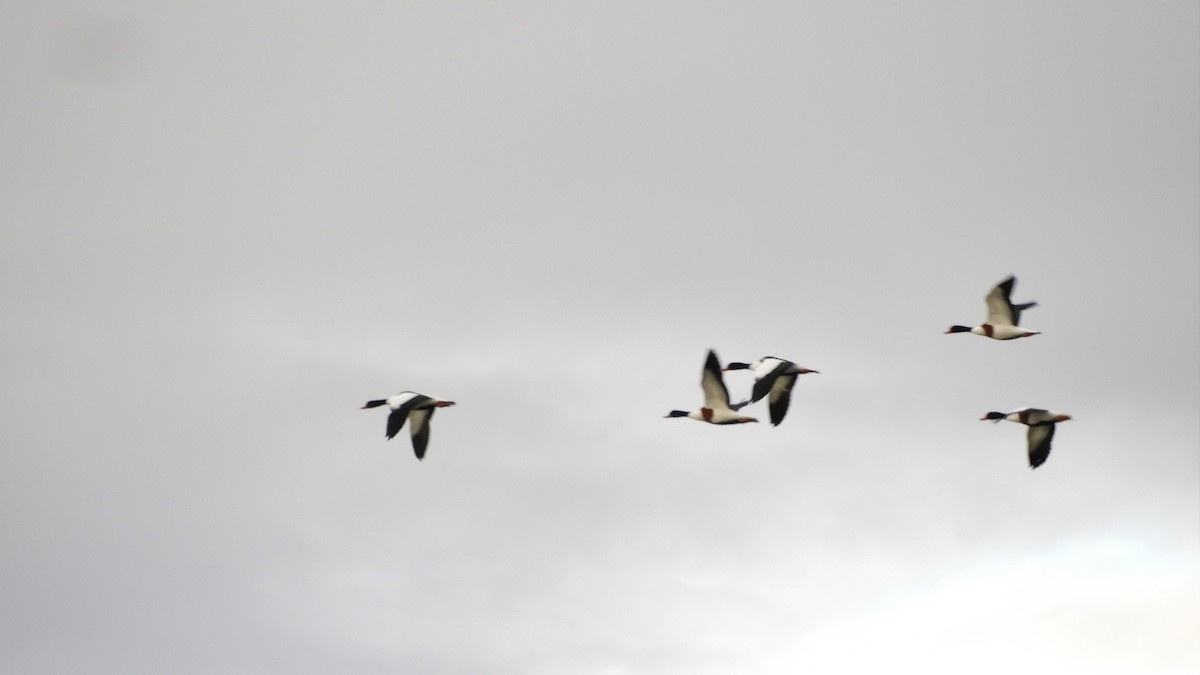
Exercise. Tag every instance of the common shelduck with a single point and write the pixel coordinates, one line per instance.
(716, 408)
(1041, 425)
(1003, 317)
(773, 378)
(417, 409)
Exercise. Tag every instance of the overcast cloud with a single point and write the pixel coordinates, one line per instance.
(227, 225)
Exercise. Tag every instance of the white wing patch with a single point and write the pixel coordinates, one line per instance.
(764, 366)
(400, 399)
(999, 313)
(715, 394)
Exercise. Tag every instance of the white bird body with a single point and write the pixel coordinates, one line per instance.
(1001, 331)
(717, 416)
(417, 410)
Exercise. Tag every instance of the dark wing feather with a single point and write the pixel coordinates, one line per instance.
(781, 397)
(396, 419)
(1017, 309)
(1006, 286)
(420, 430)
(1039, 438)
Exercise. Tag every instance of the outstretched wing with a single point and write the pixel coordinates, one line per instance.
(1039, 437)
(419, 428)
(713, 384)
(1017, 309)
(999, 307)
(780, 397)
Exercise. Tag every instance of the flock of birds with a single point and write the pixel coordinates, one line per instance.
(773, 380)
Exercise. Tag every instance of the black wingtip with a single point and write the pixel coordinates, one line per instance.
(712, 361)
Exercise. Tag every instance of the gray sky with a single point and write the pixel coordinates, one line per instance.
(228, 225)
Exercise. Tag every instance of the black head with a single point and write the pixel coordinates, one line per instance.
(736, 365)
(677, 413)
(373, 404)
(958, 329)
(993, 416)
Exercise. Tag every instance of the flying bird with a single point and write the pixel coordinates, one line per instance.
(1041, 425)
(417, 409)
(773, 378)
(716, 408)
(1003, 317)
